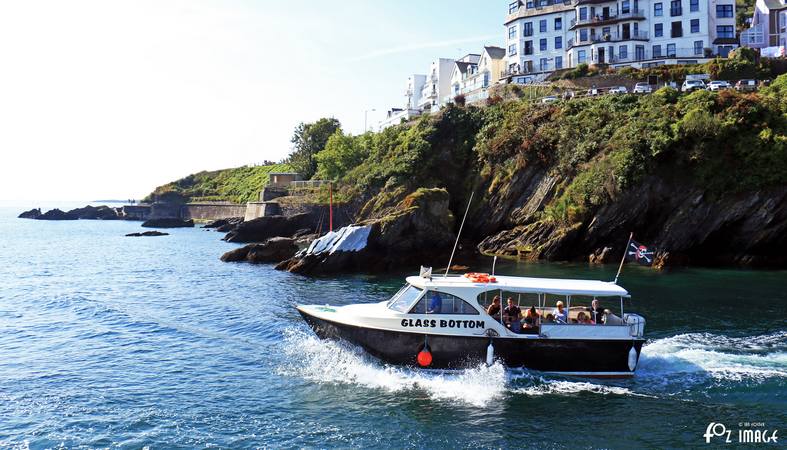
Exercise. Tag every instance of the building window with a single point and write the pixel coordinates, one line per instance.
(658, 9)
(725, 31)
(558, 23)
(581, 57)
(528, 47)
(527, 29)
(724, 50)
(658, 30)
(512, 32)
(623, 51)
(625, 7)
(558, 42)
(695, 25)
(677, 29)
(513, 7)
(583, 35)
(558, 62)
(543, 64)
(724, 11)
(697, 47)
(583, 13)
(694, 5)
(657, 51)
(542, 45)
(671, 50)
(512, 50)
(639, 52)
(542, 26)
(675, 9)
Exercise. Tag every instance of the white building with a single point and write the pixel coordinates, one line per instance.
(768, 25)
(547, 35)
(437, 86)
(413, 91)
(474, 74)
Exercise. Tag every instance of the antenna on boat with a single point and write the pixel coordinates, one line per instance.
(494, 262)
(625, 249)
(459, 234)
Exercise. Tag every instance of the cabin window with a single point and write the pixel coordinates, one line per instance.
(404, 298)
(441, 303)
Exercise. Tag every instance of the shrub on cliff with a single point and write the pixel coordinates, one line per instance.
(308, 140)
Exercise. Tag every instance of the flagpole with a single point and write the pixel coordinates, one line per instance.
(623, 259)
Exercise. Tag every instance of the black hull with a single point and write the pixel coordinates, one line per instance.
(582, 357)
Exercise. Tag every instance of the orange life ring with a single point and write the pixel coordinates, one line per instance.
(480, 277)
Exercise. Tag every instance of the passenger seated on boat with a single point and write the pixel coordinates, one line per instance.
(511, 315)
(584, 319)
(560, 313)
(612, 319)
(532, 318)
(435, 304)
(596, 312)
(494, 308)
(550, 318)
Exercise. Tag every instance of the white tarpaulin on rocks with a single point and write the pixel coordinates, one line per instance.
(346, 239)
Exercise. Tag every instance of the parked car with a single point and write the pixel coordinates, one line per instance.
(619, 90)
(549, 99)
(643, 88)
(595, 91)
(717, 85)
(692, 85)
(746, 85)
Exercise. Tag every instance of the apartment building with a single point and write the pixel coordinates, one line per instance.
(412, 93)
(548, 35)
(473, 80)
(437, 86)
(768, 26)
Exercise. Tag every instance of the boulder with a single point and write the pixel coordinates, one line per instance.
(168, 223)
(275, 249)
(418, 231)
(224, 225)
(34, 213)
(601, 256)
(266, 227)
(147, 233)
(56, 214)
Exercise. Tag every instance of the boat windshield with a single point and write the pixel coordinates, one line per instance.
(404, 298)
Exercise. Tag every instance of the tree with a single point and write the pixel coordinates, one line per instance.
(308, 140)
(342, 153)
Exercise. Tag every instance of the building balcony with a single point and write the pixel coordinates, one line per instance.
(645, 55)
(537, 8)
(613, 17)
(612, 37)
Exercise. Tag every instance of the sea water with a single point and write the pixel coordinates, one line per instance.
(119, 342)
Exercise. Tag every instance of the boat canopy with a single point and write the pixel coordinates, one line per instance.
(555, 286)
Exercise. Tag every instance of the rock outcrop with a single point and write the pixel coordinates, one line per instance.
(57, 214)
(95, 213)
(34, 213)
(418, 230)
(272, 250)
(147, 234)
(168, 223)
(264, 228)
(224, 225)
(684, 223)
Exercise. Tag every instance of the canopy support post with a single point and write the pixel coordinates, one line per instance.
(623, 259)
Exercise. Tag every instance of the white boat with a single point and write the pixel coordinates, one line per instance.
(408, 329)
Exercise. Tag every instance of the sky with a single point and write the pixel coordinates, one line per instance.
(107, 99)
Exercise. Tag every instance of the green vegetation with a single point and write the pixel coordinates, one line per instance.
(307, 140)
(239, 185)
(596, 148)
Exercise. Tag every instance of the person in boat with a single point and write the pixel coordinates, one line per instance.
(511, 315)
(494, 308)
(435, 304)
(550, 318)
(583, 319)
(596, 312)
(560, 313)
(532, 318)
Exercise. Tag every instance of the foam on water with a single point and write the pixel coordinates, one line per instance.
(339, 363)
(751, 358)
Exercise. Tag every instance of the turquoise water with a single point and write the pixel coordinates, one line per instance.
(108, 341)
